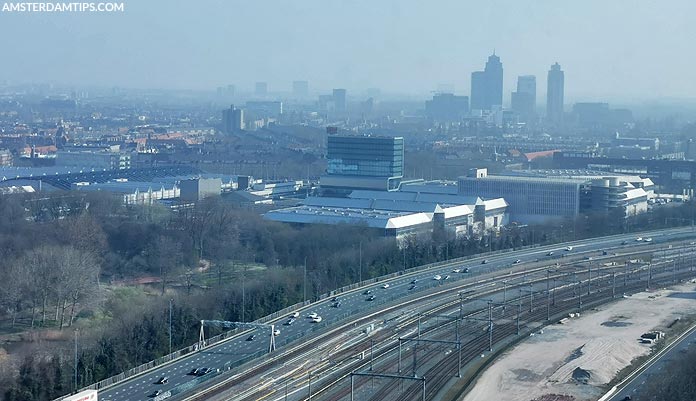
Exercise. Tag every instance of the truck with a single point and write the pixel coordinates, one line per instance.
(86, 395)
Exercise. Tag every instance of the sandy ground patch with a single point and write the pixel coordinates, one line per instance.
(576, 358)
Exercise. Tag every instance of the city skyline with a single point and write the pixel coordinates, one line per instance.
(406, 47)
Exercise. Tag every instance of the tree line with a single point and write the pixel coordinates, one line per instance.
(63, 256)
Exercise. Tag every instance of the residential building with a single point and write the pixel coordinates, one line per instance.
(264, 108)
(5, 157)
(89, 159)
(591, 115)
(232, 120)
(446, 107)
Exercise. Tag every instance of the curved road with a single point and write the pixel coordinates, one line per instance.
(142, 387)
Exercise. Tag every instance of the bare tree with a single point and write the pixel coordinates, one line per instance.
(61, 272)
(165, 256)
(11, 294)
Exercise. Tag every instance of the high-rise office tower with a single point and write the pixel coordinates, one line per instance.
(524, 99)
(487, 85)
(554, 95)
(232, 120)
(363, 162)
(478, 90)
(300, 89)
(339, 99)
(261, 89)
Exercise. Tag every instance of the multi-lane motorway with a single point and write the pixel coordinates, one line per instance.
(218, 356)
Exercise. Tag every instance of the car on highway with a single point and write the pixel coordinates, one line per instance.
(569, 248)
(466, 270)
(385, 286)
(203, 371)
(290, 322)
(550, 253)
(194, 371)
(155, 393)
(276, 332)
(483, 262)
(336, 304)
(294, 315)
(648, 240)
(437, 277)
(414, 281)
(370, 298)
(456, 270)
(313, 315)
(251, 337)
(316, 319)
(162, 380)
(517, 262)
(446, 277)
(367, 292)
(412, 287)
(639, 239)
(624, 242)
(334, 299)
(627, 398)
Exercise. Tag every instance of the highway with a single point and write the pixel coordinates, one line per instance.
(438, 368)
(229, 353)
(656, 367)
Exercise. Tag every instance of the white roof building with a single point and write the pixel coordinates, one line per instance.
(399, 213)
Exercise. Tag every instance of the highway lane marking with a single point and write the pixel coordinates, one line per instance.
(589, 242)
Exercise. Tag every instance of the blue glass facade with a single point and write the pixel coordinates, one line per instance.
(365, 156)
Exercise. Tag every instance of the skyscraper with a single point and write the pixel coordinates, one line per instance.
(487, 85)
(478, 90)
(524, 99)
(554, 95)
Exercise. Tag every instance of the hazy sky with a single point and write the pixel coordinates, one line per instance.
(607, 48)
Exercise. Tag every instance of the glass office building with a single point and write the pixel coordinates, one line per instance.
(531, 199)
(364, 162)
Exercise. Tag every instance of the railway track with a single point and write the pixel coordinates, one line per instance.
(440, 373)
(432, 301)
(344, 360)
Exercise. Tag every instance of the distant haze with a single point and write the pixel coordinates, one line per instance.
(619, 49)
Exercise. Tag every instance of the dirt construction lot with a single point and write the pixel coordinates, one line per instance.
(577, 359)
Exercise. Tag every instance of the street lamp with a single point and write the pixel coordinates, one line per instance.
(170, 327)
